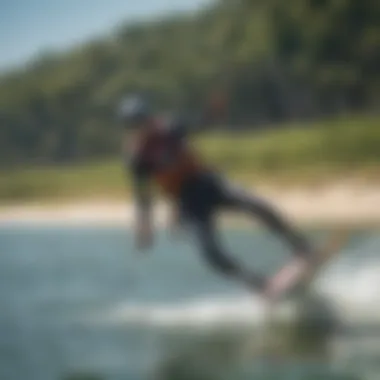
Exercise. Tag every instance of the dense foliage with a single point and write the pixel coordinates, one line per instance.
(275, 60)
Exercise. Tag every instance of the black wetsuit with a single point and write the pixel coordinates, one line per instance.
(201, 195)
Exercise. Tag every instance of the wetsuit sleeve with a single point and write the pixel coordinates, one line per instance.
(180, 128)
(141, 189)
(184, 125)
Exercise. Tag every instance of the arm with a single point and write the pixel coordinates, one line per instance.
(143, 201)
(184, 126)
(176, 220)
(213, 112)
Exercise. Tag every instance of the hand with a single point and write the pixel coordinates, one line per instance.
(218, 104)
(176, 224)
(175, 230)
(144, 237)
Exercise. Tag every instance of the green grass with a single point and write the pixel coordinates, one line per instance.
(299, 154)
(92, 179)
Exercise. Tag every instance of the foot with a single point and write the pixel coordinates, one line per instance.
(303, 250)
(306, 257)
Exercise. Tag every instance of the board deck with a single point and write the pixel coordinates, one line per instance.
(298, 272)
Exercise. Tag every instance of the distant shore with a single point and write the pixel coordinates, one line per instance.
(347, 204)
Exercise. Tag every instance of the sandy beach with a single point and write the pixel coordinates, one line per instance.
(351, 204)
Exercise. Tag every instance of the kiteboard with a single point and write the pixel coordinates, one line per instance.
(299, 273)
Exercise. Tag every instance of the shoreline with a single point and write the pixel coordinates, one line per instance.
(339, 204)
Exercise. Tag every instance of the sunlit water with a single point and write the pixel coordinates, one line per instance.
(80, 300)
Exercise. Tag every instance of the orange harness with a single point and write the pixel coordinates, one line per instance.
(171, 178)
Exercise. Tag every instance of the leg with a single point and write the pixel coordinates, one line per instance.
(206, 234)
(240, 200)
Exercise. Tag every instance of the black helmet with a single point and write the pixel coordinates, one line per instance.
(133, 109)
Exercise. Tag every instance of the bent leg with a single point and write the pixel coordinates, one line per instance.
(239, 199)
(218, 259)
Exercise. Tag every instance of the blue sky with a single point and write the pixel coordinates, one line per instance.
(28, 27)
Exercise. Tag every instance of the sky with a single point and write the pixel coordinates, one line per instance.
(28, 27)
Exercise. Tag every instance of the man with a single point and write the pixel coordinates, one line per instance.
(160, 154)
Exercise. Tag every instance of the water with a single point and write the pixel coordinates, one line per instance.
(80, 300)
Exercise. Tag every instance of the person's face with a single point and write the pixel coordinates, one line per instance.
(136, 127)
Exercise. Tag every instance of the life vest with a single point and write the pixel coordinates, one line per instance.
(171, 178)
(170, 162)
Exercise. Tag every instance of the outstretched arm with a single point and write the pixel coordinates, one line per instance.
(212, 113)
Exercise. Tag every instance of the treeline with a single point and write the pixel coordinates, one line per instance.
(272, 60)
